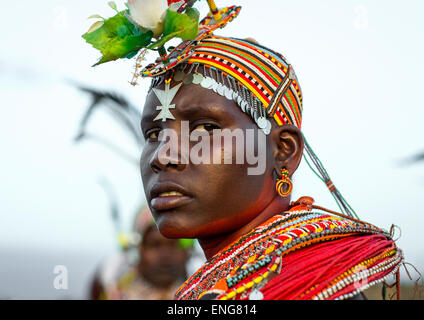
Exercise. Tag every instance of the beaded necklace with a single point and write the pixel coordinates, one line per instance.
(244, 266)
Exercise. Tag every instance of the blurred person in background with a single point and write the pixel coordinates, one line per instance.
(156, 271)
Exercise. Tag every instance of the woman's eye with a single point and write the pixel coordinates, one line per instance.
(153, 135)
(205, 127)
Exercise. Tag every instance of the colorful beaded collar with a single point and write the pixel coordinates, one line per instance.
(242, 269)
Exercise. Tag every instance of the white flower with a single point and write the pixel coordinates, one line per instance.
(149, 14)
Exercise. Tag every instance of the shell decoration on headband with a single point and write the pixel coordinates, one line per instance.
(148, 25)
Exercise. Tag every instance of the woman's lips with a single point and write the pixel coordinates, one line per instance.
(169, 200)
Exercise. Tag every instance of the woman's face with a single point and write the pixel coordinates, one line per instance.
(192, 200)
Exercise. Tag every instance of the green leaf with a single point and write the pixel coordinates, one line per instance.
(112, 4)
(117, 38)
(193, 14)
(123, 48)
(95, 16)
(95, 26)
(131, 54)
(187, 24)
(179, 25)
(163, 40)
(99, 37)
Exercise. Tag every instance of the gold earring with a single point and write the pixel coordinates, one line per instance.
(284, 186)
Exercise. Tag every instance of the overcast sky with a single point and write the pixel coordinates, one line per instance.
(359, 64)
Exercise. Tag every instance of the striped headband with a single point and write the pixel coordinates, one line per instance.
(265, 73)
(264, 84)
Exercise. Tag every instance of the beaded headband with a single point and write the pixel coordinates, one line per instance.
(266, 74)
(226, 86)
(261, 82)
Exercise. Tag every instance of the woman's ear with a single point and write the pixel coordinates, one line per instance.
(288, 148)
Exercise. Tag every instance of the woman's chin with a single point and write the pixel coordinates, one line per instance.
(175, 228)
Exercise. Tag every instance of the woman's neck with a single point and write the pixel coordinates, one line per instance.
(211, 246)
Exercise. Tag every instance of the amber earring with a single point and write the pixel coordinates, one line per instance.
(284, 186)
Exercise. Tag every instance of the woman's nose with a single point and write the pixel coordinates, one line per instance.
(168, 154)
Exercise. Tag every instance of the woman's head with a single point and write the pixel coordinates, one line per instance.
(201, 139)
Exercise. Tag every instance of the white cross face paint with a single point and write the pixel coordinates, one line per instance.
(165, 97)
